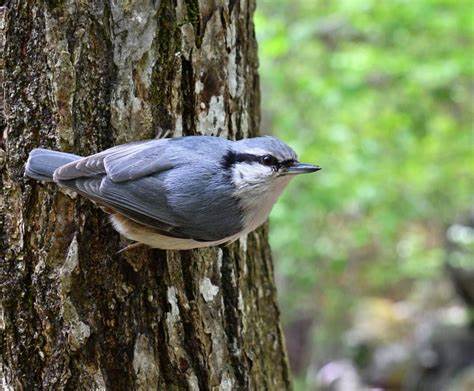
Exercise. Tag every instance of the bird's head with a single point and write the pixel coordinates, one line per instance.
(262, 163)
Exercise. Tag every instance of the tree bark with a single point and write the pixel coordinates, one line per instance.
(82, 76)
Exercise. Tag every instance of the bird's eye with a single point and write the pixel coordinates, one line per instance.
(269, 160)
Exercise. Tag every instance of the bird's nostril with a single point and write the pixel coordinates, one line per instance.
(288, 163)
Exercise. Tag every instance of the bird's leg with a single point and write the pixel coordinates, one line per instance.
(130, 246)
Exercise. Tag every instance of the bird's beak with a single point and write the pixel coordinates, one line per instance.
(301, 168)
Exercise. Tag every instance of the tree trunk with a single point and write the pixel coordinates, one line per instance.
(82, 76)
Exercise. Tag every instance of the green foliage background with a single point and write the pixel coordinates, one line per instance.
(380, 94)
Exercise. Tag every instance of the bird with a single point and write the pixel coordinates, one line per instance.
(178, 193)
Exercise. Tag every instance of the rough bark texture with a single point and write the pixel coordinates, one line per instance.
(81, 76)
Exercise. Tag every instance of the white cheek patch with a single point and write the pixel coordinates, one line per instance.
(251, 175)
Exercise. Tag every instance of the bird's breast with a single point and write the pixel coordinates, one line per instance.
(257, 203)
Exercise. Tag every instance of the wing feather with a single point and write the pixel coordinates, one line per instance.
(120, 163)
(129, 164)
(100, 190)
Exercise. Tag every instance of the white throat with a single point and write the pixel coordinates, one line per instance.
(258, 189)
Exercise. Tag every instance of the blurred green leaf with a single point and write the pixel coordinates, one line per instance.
(380, 94)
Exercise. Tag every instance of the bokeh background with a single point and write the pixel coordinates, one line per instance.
(374, 254)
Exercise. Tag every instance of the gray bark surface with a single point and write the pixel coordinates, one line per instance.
(81, 76)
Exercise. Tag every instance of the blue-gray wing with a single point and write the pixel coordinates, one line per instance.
(177, 189)
(121, 163)
(142, 200)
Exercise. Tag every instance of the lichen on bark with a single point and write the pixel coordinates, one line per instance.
(82, 76)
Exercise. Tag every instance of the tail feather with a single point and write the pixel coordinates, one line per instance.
(42, 163)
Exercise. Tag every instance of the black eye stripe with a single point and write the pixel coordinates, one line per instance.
(231, 158)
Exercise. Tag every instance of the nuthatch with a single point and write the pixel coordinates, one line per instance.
(179, 193)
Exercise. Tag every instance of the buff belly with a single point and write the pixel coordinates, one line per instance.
(149, 236)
